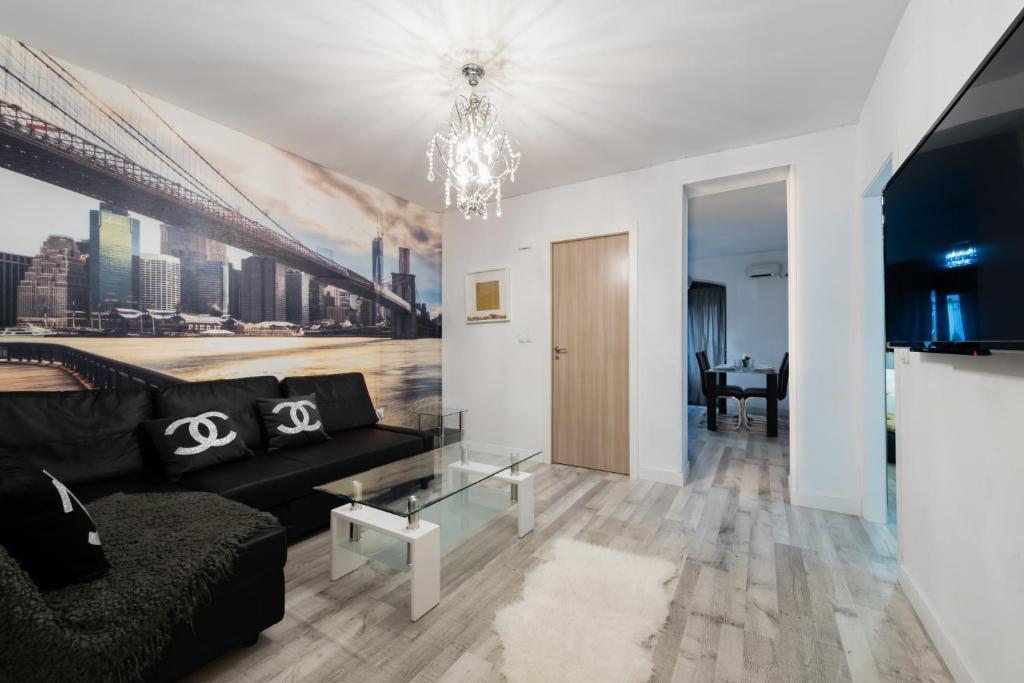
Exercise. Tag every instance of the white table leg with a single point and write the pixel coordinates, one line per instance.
(424, 543)
(425, 554)
(522, 489)
(343, 560)
(525, 483)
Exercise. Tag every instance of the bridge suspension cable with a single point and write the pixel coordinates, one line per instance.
(207, 162)
(123, 123)
(100, 142)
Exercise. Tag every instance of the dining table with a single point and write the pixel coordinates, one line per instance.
(716, 404)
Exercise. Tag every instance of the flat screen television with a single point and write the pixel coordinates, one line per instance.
(954, 218)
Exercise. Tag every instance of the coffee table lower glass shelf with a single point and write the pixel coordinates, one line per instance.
(407, 514)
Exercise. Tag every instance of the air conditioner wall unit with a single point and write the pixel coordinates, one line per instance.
(765, 270)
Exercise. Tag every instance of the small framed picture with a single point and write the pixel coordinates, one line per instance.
(488, 296)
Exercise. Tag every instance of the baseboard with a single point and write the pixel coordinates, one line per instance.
(661, 476)
(925, 612)
(805, 499)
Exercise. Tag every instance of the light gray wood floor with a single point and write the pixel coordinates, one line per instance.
(765, 592)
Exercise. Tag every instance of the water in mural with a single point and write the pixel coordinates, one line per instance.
(148, 236)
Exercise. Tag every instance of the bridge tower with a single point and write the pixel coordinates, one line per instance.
(403, 325)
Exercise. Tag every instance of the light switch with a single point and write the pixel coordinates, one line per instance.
(525, 339)
(525, 244)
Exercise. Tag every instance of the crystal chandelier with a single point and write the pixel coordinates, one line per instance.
(475, 150)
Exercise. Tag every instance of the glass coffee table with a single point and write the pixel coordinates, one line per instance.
(425, 504)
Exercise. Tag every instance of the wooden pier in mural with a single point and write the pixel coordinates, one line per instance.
(34, 377)
(18, 359)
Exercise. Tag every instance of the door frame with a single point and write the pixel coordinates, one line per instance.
(633, 233)
(873, 465)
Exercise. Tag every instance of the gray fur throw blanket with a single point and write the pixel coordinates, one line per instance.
(166, 550)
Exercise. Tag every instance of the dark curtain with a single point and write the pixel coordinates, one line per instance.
(706, 310)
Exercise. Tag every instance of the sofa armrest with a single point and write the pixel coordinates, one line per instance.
(427, 437)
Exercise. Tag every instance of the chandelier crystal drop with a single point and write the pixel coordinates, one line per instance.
(475, 151)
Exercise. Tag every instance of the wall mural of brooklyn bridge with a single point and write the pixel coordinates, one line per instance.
(141, 233)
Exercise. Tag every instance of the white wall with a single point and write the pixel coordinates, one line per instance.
(506, 384)
(756, 311)
(960, 507)
(961, 551)
(962, 554)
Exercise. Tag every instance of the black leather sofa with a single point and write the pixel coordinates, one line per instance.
(90, 440)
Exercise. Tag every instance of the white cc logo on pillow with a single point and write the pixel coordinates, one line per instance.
(206, 438)
(65, 499)
(298, 411)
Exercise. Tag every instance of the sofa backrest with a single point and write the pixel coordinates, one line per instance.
(343, 399)
(77, 436)
(236, 397)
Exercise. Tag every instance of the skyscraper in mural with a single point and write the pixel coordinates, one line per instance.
(54, 289)
(159, 282)
(378, 269)
(12, 269)
(113, 259)
(262, 290)
(297, 297)
(178, 241)
(234, 292)
(205, 278)
(213, 287)
(378, 257)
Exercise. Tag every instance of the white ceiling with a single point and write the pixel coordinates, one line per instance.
(741, 221)
(587, 87)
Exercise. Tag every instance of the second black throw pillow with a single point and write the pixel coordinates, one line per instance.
(292, 421)
(45, 527)
(186, 444)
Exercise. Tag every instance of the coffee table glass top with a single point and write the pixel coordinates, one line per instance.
(413, 484)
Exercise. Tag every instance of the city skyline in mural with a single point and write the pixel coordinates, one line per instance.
(142, 265)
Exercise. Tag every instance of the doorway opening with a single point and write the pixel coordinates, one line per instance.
(737, 235)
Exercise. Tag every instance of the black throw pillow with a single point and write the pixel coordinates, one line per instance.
(187, 444)
(291, 422)
(45, 527)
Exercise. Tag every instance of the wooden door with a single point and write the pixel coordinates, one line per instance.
(590, 358)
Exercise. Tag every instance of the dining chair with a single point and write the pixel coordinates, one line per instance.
(756, 423)
(730, 391)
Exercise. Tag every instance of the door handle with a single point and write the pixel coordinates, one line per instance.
(561, 349)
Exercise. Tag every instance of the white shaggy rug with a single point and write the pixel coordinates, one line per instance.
(587, 614)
